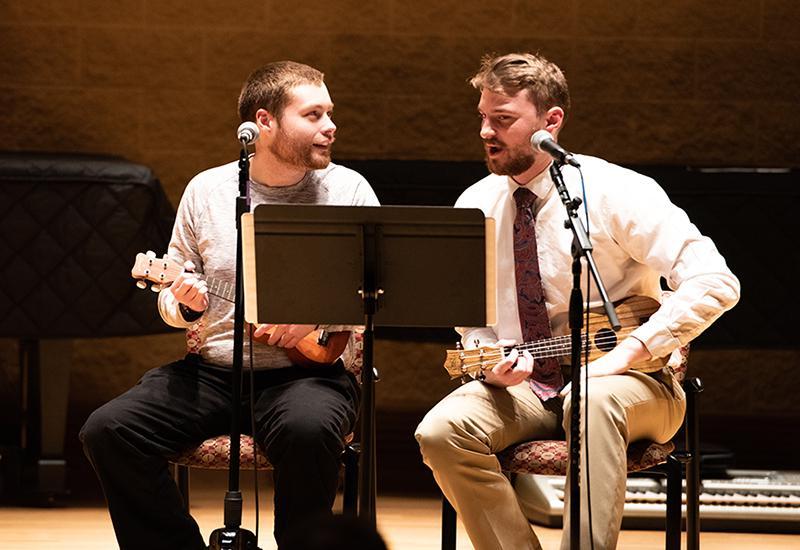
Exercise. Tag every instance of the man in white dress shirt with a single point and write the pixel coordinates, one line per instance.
(639, 236)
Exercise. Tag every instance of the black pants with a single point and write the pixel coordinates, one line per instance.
(301, 417)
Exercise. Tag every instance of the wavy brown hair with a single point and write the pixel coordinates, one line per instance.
(269, 87)
(510, 73)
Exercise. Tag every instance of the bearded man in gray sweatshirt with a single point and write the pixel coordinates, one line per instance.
(301, 414)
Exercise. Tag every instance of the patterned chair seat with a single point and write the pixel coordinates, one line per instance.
(213, 453)
(550, 457)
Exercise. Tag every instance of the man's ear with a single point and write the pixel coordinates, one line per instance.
(264, 120)
(553, 119)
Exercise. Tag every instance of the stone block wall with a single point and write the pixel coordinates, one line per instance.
(688, 82)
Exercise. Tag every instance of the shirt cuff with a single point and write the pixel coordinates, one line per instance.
(189, 315)
(476, 337)
(657, 338)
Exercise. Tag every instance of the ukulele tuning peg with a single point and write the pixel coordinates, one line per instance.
(156, 288)
(150, 254)
(141, 284)
(459, 346)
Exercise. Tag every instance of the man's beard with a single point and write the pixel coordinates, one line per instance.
(516, 162)
(291, 151)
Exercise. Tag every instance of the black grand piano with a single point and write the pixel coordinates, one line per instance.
(71, 225)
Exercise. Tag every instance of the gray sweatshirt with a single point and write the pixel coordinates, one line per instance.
(205, 233)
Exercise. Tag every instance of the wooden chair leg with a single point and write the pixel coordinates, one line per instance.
(350, 492)
(448, 525)
(674, 492)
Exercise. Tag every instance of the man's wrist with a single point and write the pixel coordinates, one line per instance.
(188, 313)
(634, 350)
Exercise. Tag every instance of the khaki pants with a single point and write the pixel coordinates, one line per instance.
(459, 437)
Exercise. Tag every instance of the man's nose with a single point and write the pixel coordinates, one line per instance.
(329, 128)
(487, 131)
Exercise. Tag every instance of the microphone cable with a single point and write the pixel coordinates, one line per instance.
(253, 428)
(586, 374)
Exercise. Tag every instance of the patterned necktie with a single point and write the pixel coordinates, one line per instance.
(546, 380)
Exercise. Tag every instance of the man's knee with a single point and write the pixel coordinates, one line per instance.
(604, 406)
(95, 430)
(435, 435)
(297, 435)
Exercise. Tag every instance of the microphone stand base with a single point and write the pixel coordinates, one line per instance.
(232, 539)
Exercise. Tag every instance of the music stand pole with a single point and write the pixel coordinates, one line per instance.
(232, 537)
(581, 247)
(369, 295)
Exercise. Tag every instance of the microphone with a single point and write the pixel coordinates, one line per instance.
(543, 141)
(247, 133)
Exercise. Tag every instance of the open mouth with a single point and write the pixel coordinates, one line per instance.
(493, 150)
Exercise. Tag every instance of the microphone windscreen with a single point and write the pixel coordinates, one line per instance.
(539, 137)
(247, 132)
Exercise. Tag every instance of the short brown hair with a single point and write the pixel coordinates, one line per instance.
(508, 74)
(268, 87)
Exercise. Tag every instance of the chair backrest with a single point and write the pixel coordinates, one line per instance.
(679, 363)
(353, 356)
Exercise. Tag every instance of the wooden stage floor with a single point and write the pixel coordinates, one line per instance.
(405, 523)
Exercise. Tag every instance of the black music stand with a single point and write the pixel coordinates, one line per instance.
(385, 266)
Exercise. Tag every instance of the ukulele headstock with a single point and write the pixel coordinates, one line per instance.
(462, 362)
(159, 271)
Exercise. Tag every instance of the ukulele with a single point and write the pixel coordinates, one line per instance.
(599, 338)
(318, 348)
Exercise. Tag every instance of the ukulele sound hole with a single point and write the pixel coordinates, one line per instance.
(605, 339)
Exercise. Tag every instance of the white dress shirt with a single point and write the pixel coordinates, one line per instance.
(638, 237)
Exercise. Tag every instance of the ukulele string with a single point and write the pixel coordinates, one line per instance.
(555, 347)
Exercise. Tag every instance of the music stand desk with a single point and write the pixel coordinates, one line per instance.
(390, 266)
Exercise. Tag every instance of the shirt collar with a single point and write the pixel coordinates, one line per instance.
(540, 185)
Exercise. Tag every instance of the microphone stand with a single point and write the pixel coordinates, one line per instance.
(581, 247)
(232, 536)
